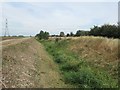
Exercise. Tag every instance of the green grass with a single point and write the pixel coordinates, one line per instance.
(76, 71)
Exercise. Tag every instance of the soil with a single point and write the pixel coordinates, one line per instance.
(26, 64)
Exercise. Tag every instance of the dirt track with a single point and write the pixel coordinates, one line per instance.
(12, 41)
(26, 64)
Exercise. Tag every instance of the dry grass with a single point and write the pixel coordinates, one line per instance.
(100, 52)
(84, 60)
(6, 38)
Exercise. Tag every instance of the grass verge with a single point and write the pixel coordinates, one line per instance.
(75, 70)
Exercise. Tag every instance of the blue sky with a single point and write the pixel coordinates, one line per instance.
(28, 18)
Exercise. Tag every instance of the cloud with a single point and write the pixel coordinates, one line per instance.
(29, 18)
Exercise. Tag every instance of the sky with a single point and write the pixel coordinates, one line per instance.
(28, 18)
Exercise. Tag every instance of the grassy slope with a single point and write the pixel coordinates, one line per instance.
(100, 52)
(83, 61)
(27, 64)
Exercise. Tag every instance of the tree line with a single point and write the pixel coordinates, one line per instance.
(110, 31)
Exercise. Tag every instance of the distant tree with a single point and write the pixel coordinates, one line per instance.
(42, 35)
(62, 34)
(20, 36)
(78, 33)
(71, 34)
(46, 35)
(53, 35)
(68, 35)
(82, 33)
(110, 31)
(95, 31)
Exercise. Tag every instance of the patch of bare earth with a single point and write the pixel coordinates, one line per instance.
(27, 65)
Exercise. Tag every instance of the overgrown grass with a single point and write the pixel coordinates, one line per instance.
(75, 70)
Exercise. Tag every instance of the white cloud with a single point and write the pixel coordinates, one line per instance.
(29, 18)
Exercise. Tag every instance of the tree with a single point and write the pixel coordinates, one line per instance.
(71, 34)
(62, 34)
(95, 31)
(46, 35)
(42, 35)
(68, 35)
(82, 33)
(110, 31)
(78, 33)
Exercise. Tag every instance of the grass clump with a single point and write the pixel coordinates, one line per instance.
(59, 59)
(70, 66)
(82, 79)
(88, 78)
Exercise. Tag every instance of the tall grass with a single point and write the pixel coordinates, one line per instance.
(75, 70)
(100, 52)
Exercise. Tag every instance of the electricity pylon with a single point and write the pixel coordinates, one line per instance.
(6, 28)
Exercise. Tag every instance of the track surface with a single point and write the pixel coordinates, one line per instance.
(9, 42)
(26, 64)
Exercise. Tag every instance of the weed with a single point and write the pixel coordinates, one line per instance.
(70, 66)
(77, 71)
(86, 77)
